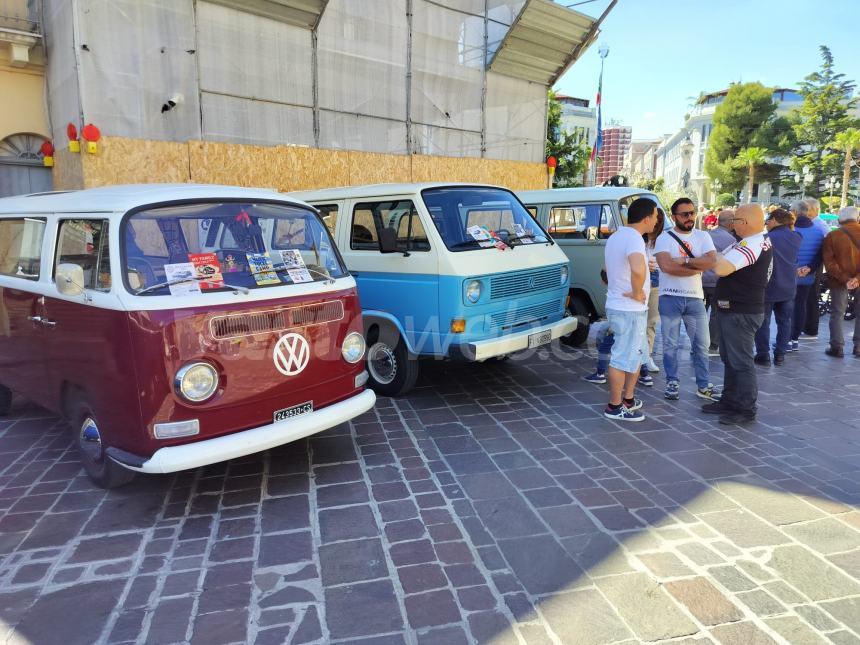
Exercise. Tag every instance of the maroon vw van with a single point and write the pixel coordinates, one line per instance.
(176, 326)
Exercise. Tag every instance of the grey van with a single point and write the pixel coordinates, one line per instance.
(580, 220)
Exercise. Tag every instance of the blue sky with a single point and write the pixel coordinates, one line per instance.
(662, 52)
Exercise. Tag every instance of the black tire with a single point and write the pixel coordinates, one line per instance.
(392, 372)
(578, 307)
(5, 400)
(104, 472)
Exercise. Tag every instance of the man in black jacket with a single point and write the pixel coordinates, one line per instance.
(743, 270)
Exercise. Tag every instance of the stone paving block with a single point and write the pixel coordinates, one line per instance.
(285, 548)
(795, 630)
(664, 565)
(285, 513)
(443, 636)
(846, 611)
(347, 523)
(825, 536)
(431, 609)
(224, 598)
(351, 561)
(743, 529)
(507, 517)
(761, 602)
(583, 617)
(645, 607)
(568, 520)
(774, 506)
(812, 576)
(309, 628)
(491, 626)
(708, 464)
(744, 633)
(106, 548)
(362, 609)
(171, 621)
(541, 564)
(221, 627)
(704, 601)
(598, 554)
(421, 577)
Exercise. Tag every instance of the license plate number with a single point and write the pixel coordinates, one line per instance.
(296, 410)
(541, 338)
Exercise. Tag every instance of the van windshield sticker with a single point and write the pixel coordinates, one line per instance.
(181, 278)
(481, 235)
(208, 270)
(260, 265)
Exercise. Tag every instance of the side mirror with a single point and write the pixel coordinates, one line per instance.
(388, 240)
(70, 279)
(591, 233)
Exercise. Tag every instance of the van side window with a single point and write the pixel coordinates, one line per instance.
(533, 211)
(328, 213)
(574, 221)
(21, 246)
(369, 218)
(607, 222)
(85, 243)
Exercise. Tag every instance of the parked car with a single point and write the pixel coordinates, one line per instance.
(581, 220)
(167, 325)
(445, 271)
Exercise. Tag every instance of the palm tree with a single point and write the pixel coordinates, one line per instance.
(848, 141)
(751, 157)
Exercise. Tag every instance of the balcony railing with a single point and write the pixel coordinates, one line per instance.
(20, 15)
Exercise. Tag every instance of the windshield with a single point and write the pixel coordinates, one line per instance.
(624, 203)
(221, 246)
(479, 218)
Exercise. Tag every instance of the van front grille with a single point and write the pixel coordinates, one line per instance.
(509, 285)
(275, 320)
(517, 316)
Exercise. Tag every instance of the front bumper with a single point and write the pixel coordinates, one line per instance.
(209, 451)
(480, 350)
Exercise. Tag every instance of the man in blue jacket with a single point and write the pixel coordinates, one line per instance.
(808, 264)
(781, 287)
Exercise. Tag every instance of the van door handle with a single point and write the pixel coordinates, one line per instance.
(37, 319)
(48, 323)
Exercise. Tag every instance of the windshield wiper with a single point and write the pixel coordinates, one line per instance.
(465, 243)
(517, 238)
(170, 283)
(284, 267)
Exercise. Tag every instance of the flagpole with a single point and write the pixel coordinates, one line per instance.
(603, 52)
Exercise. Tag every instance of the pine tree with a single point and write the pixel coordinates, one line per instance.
(828, 99)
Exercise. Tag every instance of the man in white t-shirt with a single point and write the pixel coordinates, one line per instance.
(627, 309)
(683, 253)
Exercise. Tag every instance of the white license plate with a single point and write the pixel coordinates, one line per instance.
(541, 338)
(296, 410)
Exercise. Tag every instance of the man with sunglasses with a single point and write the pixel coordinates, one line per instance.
(744, 270)
(682, 254)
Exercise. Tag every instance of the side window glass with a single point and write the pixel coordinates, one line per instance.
(410, 232)
(533, 211)
(85, 243)
(364, 235)
(369, 218)
(568, 222)
(328, 213)
(21, 246)
(607, 222)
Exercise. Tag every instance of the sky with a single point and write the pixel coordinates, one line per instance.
(662, 53)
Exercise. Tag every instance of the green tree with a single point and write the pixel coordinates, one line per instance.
(848, 141)
(725, 200)
(746, 119)
(826, 111)
(750, 159)
(572, 155)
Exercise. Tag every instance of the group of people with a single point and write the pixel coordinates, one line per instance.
(673, 272)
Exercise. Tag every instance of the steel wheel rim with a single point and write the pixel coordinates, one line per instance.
(382, 363)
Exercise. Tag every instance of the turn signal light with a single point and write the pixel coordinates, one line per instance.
(458, 326)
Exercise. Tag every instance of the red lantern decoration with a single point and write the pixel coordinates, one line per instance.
(72, 133)
(551, 163)
(47, 149)
(91, 134)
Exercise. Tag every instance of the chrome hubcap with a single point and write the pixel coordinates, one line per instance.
(381, 363)
(90, 440)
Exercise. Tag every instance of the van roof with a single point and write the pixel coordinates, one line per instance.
(377, 190)
(579, 194)
(110, 199)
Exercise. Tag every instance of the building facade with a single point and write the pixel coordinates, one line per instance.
(616, 143)
(578, 119)
(640, 162)
(23, 119)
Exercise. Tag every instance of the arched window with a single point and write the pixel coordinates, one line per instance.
(21, 169)
(22, 148)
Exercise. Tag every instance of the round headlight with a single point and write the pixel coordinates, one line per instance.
(353, 347)
(196, 381)
(473, 291)
(564, 273)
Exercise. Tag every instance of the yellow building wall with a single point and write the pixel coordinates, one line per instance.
(285, 168)
(22, 108)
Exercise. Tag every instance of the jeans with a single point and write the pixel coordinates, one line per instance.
(782, 311)
(653, 317)
(838, 305)
(740, 387)
(810, 327)
(673, 309)
(713, 329)
(798, 318)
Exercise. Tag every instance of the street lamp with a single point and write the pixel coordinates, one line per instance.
(831, 183)
(803, 179)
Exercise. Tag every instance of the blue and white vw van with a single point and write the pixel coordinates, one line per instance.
(445, 270)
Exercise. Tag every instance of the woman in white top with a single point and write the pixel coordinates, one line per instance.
(653, 299)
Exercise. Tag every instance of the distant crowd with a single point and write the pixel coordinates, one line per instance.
(724, 283)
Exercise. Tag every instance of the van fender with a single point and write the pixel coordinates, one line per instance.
(381, 324)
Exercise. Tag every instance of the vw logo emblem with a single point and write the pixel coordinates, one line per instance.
(291, 354)
(531, 282)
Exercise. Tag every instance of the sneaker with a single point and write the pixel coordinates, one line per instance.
(793, 346)
(713, 351)
(673, 391)
(762, 359)
(715, 408)
(597, 378)
(778, 359)
(646, 380)
(637, 404)
(708, 393)
(623, 414)
(736, 418)
(835, 352)
(651, 366)
(810, 336)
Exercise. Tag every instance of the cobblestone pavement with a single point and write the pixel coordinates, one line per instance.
(493, 504)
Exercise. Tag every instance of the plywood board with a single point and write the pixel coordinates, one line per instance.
(135, 161)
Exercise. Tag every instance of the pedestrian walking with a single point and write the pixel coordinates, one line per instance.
(810, 327)
(743, 272)
(781, 287)
(683, 253)
(627, 309)
(808, 264)
(722, 238)
(841, 251)
(653, 296)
